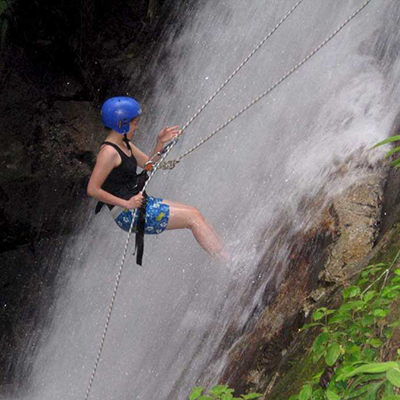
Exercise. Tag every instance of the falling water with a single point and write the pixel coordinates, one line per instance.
(171, 314)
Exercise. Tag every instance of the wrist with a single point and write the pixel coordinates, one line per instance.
(125, 204)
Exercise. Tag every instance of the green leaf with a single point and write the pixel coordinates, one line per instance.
(196, 393)
(332, 395)
(3, 6)
(395, 163)
(368, 320)
(368, 391)
(367, 378)
(317, 315)
(388, 140)
(369, 295)
(352, 305)
(332, 354)
(375, 342)
(389, 389)
(338, 335)
(306, 392)
(351, 291)
(371, 271)
(252, 396)
(388, 333)
(369, 354)
(218, 390)
(338, 318)
(393, 376)
(307, 326)
(352, 348)
(362, 281)
(397, 271)
(320, 342)
(379, 312)
(372, 368)
(342, 372)
(395, 150)
(380, 302)
(391, 291)
(394, 397)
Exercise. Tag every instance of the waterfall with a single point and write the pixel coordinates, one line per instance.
(171, 314)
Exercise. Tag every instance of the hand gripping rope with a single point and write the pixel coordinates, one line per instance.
(171, 164)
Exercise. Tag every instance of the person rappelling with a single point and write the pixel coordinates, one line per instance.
(116, 183)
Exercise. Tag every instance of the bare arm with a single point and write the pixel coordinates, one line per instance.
(165, 136)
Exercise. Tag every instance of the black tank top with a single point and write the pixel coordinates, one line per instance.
(122, 180)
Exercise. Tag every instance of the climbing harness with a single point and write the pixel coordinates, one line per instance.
(171, 164)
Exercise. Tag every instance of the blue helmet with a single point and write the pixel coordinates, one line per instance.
(117, 112)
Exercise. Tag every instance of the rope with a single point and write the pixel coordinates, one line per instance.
(161, 164)
(172, 163)
(240, 66)
(118, 279)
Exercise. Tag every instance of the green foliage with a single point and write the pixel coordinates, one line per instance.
(4, 5)
(219, 392)
(351, 337)
(395, 163)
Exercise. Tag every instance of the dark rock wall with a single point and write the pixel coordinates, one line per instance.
(58, 62)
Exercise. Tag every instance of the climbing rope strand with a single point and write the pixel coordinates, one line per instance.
(240, 66)
(117, 281)
(161, 163)
(171, 164)
(110, 309)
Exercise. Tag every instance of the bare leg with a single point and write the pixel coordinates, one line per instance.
(182, 216)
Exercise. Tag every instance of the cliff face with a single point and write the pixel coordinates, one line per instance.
(58, 63)
(323, 260)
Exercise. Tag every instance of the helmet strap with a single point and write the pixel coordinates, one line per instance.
(126, 141)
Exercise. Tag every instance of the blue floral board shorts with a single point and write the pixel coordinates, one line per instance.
(156, 219)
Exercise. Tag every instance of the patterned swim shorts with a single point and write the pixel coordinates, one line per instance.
(157, 215)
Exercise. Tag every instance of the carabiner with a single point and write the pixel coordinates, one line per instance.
(150, 163)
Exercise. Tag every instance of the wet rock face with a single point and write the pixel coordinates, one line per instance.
(359, 213)
(326, 255)
(47, 161)
(43, 182)
(59, 61)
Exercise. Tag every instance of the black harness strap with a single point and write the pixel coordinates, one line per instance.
(140, 227)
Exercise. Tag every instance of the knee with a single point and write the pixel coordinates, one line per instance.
(196, 216)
